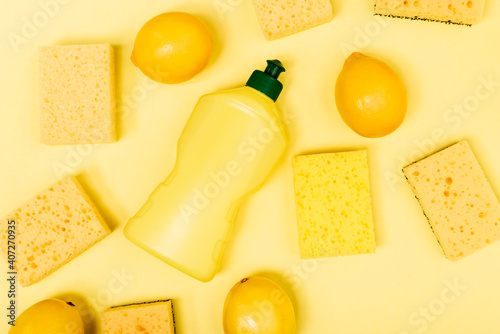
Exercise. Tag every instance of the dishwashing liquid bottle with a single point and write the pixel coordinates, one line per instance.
(230, 144)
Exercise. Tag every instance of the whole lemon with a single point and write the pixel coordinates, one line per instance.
(370, 96)
(50, 316)
(172, 47)
(257, 305)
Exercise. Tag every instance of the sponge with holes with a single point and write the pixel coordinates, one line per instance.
(152, 317)
(51, 229)
(334, 212)
(77, 94)
(280, 18)
(457, 199)
(448, 11)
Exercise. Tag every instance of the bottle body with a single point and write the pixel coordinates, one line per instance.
(229, 146)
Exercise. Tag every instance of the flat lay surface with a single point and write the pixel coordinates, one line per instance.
(452, 77)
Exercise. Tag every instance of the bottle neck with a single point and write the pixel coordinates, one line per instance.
(266, 101)
(261, 98)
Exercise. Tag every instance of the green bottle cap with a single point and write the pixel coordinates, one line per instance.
(267, 82)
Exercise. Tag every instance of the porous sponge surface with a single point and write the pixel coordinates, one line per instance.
(77, 94)
(457, 199)
(151, 318)
(334, 212)
(280, 18)
(454, 11)
(52, 229)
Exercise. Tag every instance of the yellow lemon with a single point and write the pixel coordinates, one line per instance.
(257, 305)
(370, 96)
(172, 47)
(50, 316)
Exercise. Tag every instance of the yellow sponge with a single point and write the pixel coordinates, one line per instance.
(334, 213)
(457, 199)
(448, 11)
(280, 18)
(77, 94)
(52, 229)
(153, 318)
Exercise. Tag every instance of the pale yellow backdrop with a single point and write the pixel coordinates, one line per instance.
(406, 287)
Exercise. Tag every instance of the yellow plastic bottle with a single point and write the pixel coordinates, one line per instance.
(229, 146)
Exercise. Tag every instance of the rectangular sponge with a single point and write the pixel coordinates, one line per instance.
(153, 318)
(334, 213)
(457, 199)
(448, 11)
(52, 229)
(77, 94)
(280, 18)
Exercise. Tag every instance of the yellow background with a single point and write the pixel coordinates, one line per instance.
(441, 65)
